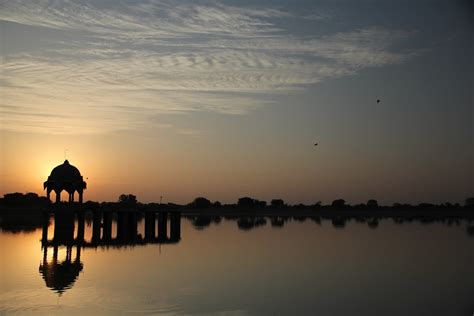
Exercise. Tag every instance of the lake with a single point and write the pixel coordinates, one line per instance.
(217, 266)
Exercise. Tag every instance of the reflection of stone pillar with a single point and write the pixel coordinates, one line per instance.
(162, 225)
(55, 253)
(78, 254)
(68, 253)
(80, 225)
(175, 226)
(96, 221)
(44, 236)
(107, 236)
(150, 225)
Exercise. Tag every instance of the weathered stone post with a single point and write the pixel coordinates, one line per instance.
(162, 225)
(107, 232)
(150, 225)
(81, 221)
(96, 223)
(122, 225)
(132, 217)
(64, 225)
(175, 226)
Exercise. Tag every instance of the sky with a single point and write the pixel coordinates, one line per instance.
(224, 99)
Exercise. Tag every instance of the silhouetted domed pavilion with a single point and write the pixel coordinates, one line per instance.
(65, 177)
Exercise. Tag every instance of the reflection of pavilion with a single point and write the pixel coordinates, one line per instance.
(60, 275)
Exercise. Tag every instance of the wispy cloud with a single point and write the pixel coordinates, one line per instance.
(154, 57)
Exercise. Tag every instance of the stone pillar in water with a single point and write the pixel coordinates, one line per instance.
(63, 226)
(175, 226)
(150, 225)
(107, 236)
(96, 223)
(132, 216)
(162, 226)
(81, 221)
(122, 226)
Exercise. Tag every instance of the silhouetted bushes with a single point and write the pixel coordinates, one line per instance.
(24, 200)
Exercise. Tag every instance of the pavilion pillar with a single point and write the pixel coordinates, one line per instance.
(58, 196)
(48, 194)
(80, 197)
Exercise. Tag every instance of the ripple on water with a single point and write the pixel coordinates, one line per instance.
(82, 301)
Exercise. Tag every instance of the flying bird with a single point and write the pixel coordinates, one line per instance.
(378, 100)
(315, 144)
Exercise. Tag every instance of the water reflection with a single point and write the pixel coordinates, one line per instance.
(239, 262)
(60, 275)
(247, 223)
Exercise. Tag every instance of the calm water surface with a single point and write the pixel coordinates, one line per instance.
(302, 268)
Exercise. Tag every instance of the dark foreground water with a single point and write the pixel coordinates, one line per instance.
(300, 268)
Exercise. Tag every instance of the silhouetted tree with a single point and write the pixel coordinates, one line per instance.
(277, 203)
(372, 203)
(28, 199)
(201, 203)
(260, 204)
(128, 199)
(338, 203)
(92, 205)
(317, 204)
(246, 202)
(469, 202)
(249, 203)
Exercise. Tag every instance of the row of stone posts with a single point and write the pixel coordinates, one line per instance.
(127, 227)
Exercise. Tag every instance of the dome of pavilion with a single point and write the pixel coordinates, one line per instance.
(65, 172)
(67, 178)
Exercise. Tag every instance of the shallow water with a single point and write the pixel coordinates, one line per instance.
(301, 268)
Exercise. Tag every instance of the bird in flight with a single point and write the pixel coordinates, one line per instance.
(378, 100)
(315, 144)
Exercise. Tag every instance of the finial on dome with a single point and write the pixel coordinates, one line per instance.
(66, 162)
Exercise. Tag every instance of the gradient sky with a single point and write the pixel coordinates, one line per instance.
(225, 99)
